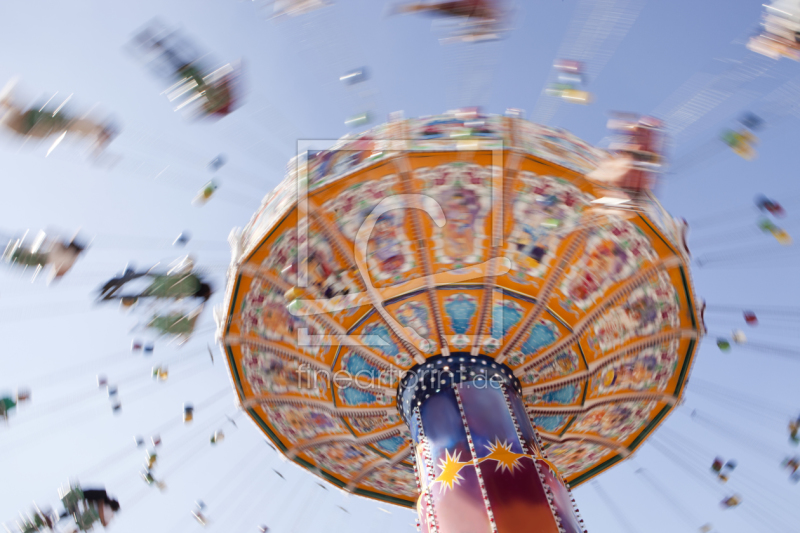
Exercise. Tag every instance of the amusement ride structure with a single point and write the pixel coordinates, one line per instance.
(463, 314)
(466, 315)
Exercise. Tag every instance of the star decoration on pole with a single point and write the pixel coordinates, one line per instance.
(501, 452)
(450, 466)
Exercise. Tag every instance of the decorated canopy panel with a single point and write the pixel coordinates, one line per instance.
(451, 235)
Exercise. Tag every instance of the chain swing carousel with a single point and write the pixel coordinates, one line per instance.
(463, 314)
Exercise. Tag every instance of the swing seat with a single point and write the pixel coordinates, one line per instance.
(358, 120)
(782, 237)
(128, 301)
(733, 501)
(577, 97)
(182, 239)
(71, 498)
(354, 76)
(568, 65)
(751, 121)
(208, 189)
(217, 163)
(745, 151)
(766, 226)
(569, 78)
(731, 138)
(774, 209)
(86, 519)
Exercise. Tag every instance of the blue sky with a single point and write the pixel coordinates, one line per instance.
(56, 340)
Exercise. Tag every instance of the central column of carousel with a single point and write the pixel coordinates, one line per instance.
(479, 465)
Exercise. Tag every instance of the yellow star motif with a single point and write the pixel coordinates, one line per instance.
(501, 452)
(450, 466)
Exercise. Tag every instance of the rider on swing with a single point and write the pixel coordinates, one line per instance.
(42, 122)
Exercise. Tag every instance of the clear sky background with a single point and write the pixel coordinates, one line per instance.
(55, 340)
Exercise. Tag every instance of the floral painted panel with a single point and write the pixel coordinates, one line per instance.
(445, 132)
(352, 206)
(264, 314)
(370, 424)
(460, 311)
(416, 316)
(575, 456)
(550, 423)
(616, 421)
(341, 458)
(347, 156)
(542, 334)
(612, 253)
(556, 145)
(464, 193)
(326, 275)
(299, 423)
(359, 368)
(568, 394)
(563, 363)
(546, 210)
(269, 374)
(389, 253)
(397, 479)
(392, 445)
(648, 370)
(355, 397)
(506, 314)
(377, 336)
(650, 308)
